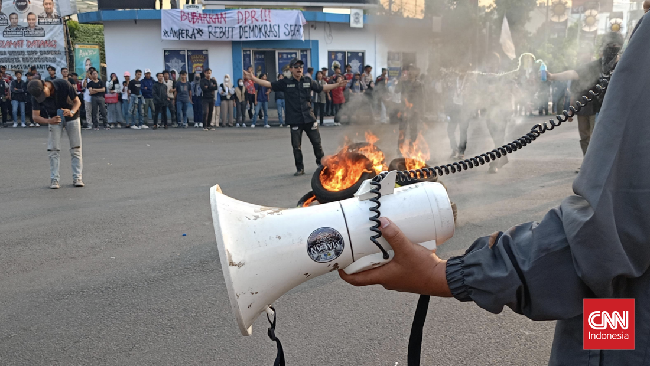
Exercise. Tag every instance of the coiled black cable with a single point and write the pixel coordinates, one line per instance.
(408, 176)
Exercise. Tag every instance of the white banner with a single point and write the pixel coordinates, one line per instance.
(31, 34)
(233, 25)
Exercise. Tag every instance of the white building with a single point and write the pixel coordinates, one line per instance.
(133, 41)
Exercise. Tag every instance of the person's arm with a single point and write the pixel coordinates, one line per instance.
(255, 79)
(536, 269)
(333, 86)
(256, 91)
(565, 75)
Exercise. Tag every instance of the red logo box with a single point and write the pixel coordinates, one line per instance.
(608, 324)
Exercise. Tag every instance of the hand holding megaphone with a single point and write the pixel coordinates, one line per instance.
(414, 268)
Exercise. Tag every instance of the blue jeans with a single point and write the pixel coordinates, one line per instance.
(14, 106)
(181, 111)
(258, 107)
(125, 111)
(280, 103)
(136, 108)
(73, 128)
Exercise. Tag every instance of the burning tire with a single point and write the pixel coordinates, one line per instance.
(308, 200)
(322, 181)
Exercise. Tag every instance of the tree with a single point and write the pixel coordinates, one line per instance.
(88, 33)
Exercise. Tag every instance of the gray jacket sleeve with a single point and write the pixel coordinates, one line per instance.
(529, 268)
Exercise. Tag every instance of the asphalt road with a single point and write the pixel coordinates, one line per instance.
(102, 275)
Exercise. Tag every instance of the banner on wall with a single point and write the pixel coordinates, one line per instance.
(247, 59)
(232, 25)
(394, 64)
(336, 58)
(32, 35)
(197, 60)
(176, 60)
(260, 63)
(85, 57)
(356, 60)
(284, 58)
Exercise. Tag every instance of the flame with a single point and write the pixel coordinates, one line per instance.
(343, 170)
(373, 153)
(415, 153)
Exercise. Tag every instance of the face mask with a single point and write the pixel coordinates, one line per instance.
(241, 83)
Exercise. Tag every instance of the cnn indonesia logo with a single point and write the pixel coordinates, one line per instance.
(608, 324)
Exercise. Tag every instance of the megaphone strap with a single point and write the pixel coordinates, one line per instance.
(279, 359)
(415, 339)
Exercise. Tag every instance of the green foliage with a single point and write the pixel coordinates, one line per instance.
(88, 33)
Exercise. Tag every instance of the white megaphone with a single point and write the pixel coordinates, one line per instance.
(267, 251)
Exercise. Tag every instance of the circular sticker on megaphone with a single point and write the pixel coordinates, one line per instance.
(325, 244)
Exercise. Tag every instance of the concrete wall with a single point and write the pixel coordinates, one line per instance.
(130, 46)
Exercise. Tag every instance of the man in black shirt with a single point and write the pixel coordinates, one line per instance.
(97, 90)
(299, 115)
(48, 98)
(208, 86)
(136, 101)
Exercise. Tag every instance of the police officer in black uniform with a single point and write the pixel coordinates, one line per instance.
(299, 115)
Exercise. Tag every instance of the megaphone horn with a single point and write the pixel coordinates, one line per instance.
(267, 251)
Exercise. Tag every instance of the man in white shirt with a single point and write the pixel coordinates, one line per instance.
(171, 94)
(88, 101)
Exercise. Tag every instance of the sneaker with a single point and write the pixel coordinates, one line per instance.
(88, 128)
(119, 125)
(299, 173)
(135, 127)
(252, 126)
(267, 126)
(107, 127)
(78, 183)
(243, 125)
(37, 125)
(237, 125)
(31, 125)
(493, 170)
(453, 154)
(145, 126)
(206, 129)
(460, 156)
(15, 124)
(200, 124)
(196, 125)
(184, 126)
(335, 124)
(23, 125)
(213, 129)
(54, 184)
(97, 129)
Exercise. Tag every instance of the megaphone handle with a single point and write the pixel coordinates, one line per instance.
(369, 262)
